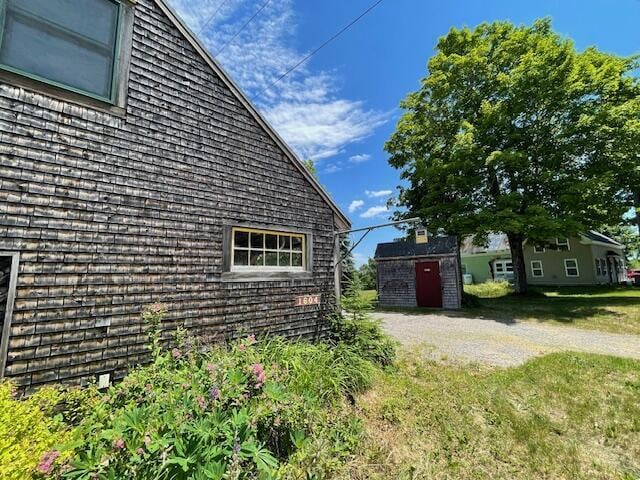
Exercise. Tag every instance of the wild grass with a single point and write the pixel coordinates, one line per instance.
(562, 416)
(489, 289)
(369, 296)
(612, 309)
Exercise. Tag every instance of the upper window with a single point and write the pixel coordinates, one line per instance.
(571, 267)
(538, 249)
(68, 43)
(563, 244)
(267, 250)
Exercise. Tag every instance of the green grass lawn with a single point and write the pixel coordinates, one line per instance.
(370, 296)
(570, 416)
(612, 309)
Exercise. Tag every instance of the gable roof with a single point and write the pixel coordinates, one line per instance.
(599, 237)
(226, 78)
(435, 246)
(496, 242)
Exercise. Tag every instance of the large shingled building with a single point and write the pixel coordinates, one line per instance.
(134, 171)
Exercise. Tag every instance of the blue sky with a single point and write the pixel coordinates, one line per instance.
(342, 105)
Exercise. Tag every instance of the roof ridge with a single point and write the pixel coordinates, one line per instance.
(235, 89)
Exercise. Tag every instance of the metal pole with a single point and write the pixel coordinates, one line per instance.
(408, 220)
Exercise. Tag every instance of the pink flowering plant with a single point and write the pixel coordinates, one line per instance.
(248, 409)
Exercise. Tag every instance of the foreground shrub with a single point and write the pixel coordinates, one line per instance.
(267, 409)
(29, 434)
(358, 330)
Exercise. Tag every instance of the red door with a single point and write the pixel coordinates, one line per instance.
(428, 291)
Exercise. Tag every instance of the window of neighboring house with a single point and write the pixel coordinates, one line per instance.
(538, 249)
(603, 266)
(267, 250)
(503, 269)
(536, 268)
(562, 244)
(598, 269)
(571, 267)
(464, 268)
(68, 44)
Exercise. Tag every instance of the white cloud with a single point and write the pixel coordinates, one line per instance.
(322, 128)
(378, 193)
(305, 107)
(363, 157)
(332, 168)
(375, 211)
(355, 205)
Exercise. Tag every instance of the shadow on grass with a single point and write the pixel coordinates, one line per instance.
(566, 305)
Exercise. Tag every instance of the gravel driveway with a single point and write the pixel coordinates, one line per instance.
(495, 343)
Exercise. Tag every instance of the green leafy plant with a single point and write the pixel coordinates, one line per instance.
(29, 433)
(249, 409)
(358, 330)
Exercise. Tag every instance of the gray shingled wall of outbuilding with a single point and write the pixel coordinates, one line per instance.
(111, 213)
(397, 281)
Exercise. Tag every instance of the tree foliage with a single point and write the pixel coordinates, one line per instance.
(627, 236)
(347, 264)
(368, 274)
(310, 165)
(515, 131)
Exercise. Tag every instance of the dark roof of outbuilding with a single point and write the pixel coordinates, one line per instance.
(435, 246)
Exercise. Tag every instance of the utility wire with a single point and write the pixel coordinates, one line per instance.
(324, 44)
(242, 28)
(205, 24)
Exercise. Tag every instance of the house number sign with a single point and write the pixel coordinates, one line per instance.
(304, 300)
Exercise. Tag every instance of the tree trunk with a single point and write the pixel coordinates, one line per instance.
(636, 205)
(517, 259)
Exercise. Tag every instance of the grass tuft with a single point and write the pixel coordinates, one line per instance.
(564, 415)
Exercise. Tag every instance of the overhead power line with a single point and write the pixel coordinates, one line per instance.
(324, 44)
(205, 24)
(242, 28)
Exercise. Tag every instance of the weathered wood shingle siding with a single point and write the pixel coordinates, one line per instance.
(111, 213)
(397, 281)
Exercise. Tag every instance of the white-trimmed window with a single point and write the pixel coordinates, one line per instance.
(502, 269)
(73, 45)
(571, 267)
(603, 266)
(562, 244)
(598, 268)
(464, 268)
(538, 249)
(536, 269)
(267, 250)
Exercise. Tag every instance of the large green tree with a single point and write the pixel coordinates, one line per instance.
(515, 131)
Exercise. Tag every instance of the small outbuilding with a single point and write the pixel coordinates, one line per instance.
(420, 273)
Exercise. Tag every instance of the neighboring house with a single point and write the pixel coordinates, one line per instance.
(419, 273)
(589, 259)
(134, 171)
(490, 262)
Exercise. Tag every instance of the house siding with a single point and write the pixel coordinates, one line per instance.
(478, 265)
(113, 213)
(553, 265)
(397, 281)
